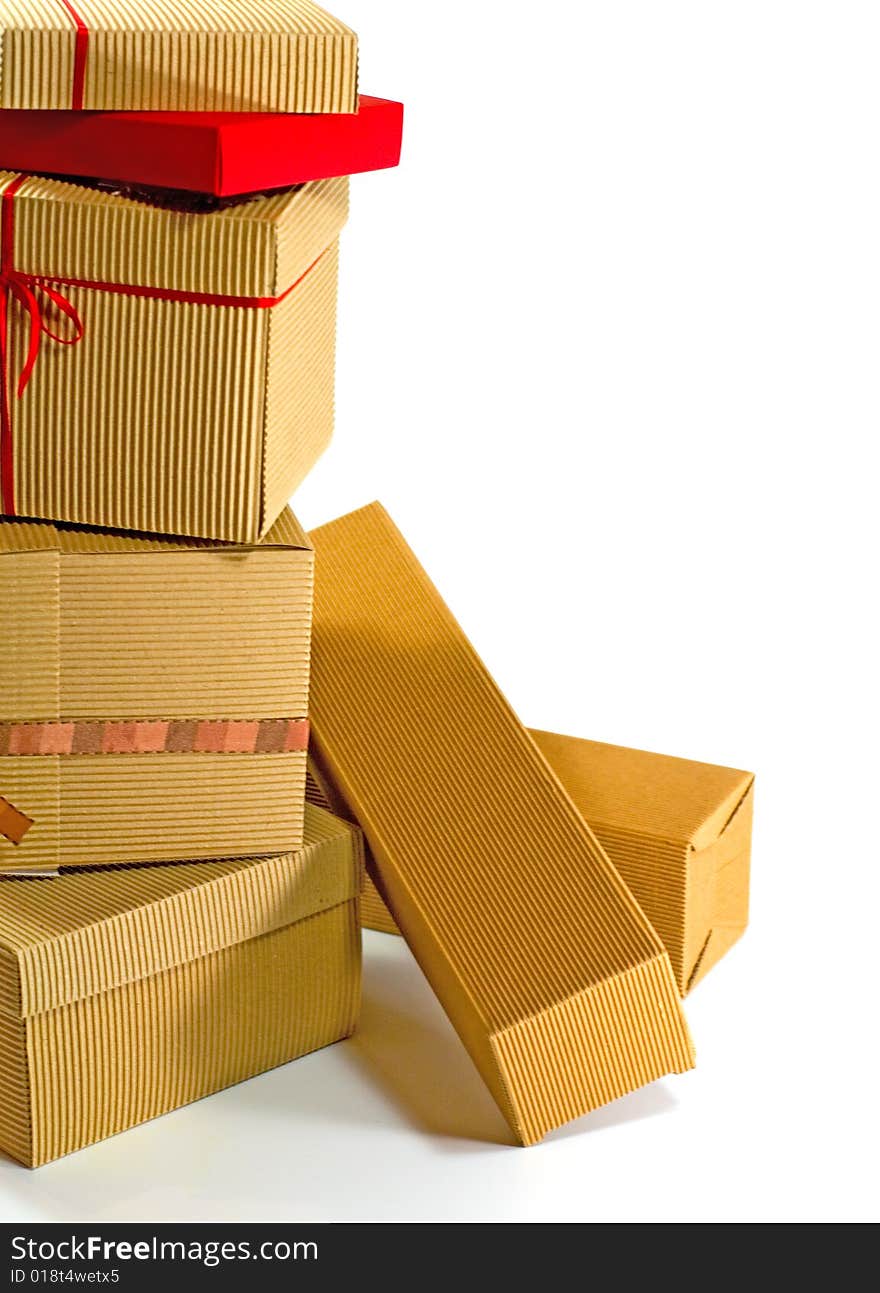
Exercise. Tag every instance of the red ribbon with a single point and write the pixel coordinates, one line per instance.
(80, 57)
(34, 291)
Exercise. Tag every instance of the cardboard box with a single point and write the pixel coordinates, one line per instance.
(167, 370)
(224, 153)
(555, 981)
(127, 993)
(171, 56)
(678, 832)
(154, 696)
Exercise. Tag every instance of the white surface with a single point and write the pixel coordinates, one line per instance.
(613, 368)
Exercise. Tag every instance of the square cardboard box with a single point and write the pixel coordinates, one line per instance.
(154, 696)
(167, 369)
(128, 992)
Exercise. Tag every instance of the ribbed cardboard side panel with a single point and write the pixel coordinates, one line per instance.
(204, 634)
(115, 808)
(29, 639)
(111, 1061)
(33, 787)
(609, 1034)
(152, 422)
(656, 873)
(15, 1103)
(158, 807)
(300, 387)
(107, 809)
(718, 894)
(374, 913)
(10, 977)
(500, 888)
(307, 225)
(163, 55)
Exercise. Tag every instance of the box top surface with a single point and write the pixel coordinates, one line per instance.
(47, 536)
(250, 249)
(83, 932)
(654, 794)
(242, 16)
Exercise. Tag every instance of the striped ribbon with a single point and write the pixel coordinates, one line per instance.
(147, 736)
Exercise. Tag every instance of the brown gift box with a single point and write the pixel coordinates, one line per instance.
(555, 981)
(168, 371)
(154, 696)
(125, 993)
(167, 55)
(678, 832)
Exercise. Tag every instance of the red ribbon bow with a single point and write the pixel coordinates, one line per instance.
(24, 288)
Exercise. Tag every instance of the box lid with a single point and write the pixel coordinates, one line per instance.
(558, 986)
(250, 250)
(222, 153)
(52, 536)
(170, 55)
(78, 934)
(654, 794)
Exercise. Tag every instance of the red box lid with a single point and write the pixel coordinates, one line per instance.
(222, 153)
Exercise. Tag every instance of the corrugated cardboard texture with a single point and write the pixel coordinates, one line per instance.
(679, 833)
(233, 404)
(166, 55)
(126, 993)
(108, 627)
(559, 988)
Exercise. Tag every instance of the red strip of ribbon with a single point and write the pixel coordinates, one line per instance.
(34, 291)
(80, 57)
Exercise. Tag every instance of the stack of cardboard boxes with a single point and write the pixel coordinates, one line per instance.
(176, 913)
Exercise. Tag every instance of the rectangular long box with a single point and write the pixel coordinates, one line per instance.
(167, 370)
(678, 832)
(126, 993)
(154, 696)
(555, 981)
(170, 55)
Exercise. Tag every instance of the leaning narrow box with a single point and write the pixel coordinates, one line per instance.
(166, 368)
(557, 985)
(154, 696)
(126, 993)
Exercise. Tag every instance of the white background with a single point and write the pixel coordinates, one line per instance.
(609, 355)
